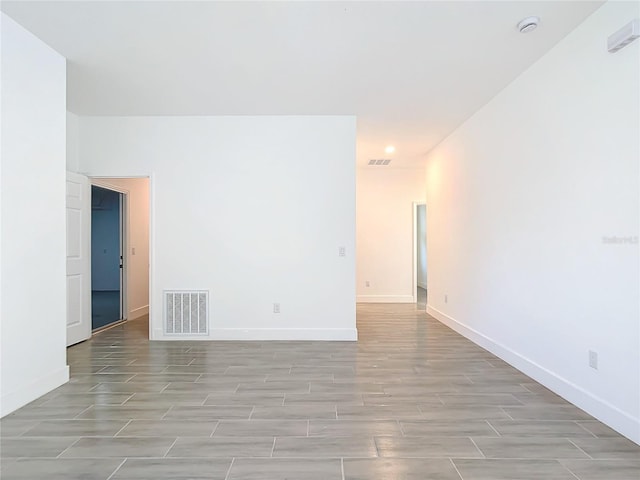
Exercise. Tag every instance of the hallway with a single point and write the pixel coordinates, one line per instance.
(410, 400)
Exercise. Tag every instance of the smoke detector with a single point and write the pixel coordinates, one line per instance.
(528, 24)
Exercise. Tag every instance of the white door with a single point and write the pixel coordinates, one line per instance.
(78, 258)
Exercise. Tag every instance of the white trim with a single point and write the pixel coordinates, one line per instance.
(10, 402)
(152, 250)
(609, 414)
(385, 299)
(138, 312)
(328, 334)
(414, 256)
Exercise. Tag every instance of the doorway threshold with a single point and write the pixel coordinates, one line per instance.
(107, 327)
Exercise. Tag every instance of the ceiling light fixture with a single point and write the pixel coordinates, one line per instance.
(389, 149)
(528, 24)
(624, 36)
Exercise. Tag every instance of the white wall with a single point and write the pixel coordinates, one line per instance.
(33, 305)
(137, 191)
(421, 245)
(73, 162)
(520, 198)
(385, 233)
(253, 209)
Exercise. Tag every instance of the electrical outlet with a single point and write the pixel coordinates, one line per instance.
(342, 251)
(446, 299)
(593, 359)
(276, 308)
(367, 283)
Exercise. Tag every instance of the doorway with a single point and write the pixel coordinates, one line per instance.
(420, 254)
(107, 257)
(134, 228)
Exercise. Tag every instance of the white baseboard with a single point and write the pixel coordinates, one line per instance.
(385, 299)
(328, 334)
(138, 312)
(11, 401)
(609, 414)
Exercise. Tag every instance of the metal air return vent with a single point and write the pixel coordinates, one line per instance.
(186, 312)
(380, 161)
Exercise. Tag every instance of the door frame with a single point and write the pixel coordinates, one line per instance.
(103, 181)
(124, 240)
(414, 242)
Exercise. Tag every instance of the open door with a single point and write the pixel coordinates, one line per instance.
(107, 257)
(78, 258)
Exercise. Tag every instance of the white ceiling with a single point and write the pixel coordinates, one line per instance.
(411, 71)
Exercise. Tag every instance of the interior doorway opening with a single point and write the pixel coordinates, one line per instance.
(420, 254)
(133, 256)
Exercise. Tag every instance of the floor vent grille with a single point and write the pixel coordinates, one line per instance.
(186, 312)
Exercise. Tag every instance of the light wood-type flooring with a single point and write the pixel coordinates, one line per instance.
(411, 400)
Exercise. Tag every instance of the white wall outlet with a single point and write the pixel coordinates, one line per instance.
(446, 298)
(276, 308)
(593, 359)
(342, 251)
(367, 283)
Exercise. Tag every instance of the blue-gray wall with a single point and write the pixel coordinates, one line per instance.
(105, 239)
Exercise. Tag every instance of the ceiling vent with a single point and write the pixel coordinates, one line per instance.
(380, 161)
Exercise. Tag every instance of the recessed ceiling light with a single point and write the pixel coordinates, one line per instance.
(528, 24)
(389, 149)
